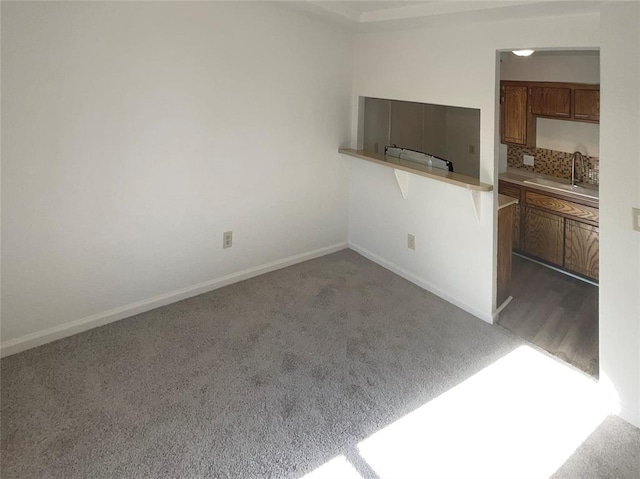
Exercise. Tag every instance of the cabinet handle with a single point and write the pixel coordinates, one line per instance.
(580, 115)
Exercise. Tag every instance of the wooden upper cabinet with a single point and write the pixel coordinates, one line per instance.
(551, 101)
(563, 101)
(516, 128)
(586, 104)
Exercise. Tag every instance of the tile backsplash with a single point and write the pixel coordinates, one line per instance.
(554, 163)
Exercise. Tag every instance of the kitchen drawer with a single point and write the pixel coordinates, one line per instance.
(563, 207)
(509, 190)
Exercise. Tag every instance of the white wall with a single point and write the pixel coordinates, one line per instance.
(450, 65)
(442, 218)
(134, 134)
(619, 192)
(568, 136)
(456, 65)
(575, 66)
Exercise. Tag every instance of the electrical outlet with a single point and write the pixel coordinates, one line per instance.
(528, 160)
(636, 219)
(411, 242)
(227, 239)
(472, 149)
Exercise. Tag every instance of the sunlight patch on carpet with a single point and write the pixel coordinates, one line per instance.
(338, 467)
(522, 416)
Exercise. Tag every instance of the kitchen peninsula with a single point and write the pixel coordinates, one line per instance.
(419, 169)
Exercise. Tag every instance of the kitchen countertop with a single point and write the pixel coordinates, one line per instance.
(504, 201)
(519, 177)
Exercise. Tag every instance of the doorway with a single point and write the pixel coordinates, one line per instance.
(548, 178)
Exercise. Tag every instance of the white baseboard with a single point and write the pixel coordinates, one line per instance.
(28, 341)
(496, 313)
(632, 417)
(424, 284)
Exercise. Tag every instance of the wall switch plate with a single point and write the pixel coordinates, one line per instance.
(528, 160)
(636, 219)
(411, 242)
(227, 239)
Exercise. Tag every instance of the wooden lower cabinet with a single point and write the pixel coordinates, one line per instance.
(555, 229)
(514, 192)
(516, 228)
(581, 248)
(505, 230)
(544, 235)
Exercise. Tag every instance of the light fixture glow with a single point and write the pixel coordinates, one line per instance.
(523, 53)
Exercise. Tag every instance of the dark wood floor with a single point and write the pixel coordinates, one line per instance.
(554, 311)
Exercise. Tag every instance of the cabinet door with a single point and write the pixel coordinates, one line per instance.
(544, 235)
(586, 105)
(516, 228)
(505, 230)
(514, 192)
(581, 248)
(514, 115)
(553, 102)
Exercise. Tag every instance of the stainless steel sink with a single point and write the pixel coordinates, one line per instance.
(589, 192)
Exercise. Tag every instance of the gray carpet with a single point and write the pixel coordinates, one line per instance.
(612, 451)
(270, 377)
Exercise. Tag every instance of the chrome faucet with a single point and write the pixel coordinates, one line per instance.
(576, 156)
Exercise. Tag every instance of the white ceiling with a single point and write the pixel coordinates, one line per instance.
(370, 13)
(375, 11)
(369, 6)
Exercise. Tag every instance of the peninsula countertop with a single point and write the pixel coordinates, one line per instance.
(457, 179)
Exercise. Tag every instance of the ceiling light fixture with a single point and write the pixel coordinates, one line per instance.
(523, 53)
